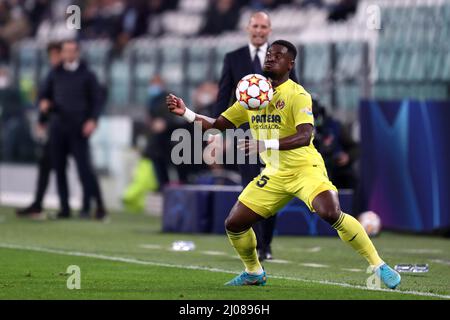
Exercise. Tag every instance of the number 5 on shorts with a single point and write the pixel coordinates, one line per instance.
(262, 181)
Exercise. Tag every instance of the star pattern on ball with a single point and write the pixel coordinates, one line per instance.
(263, 97)
(253, 80)
(245, 97)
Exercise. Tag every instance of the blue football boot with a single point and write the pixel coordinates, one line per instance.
(389, 276)
(246, 279)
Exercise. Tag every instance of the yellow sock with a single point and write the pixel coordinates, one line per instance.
(245, 245)
(352, 232)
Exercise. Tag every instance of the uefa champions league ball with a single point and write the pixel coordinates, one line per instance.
(371, 223)
(254, 92)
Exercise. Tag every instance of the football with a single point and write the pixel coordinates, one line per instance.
(371, 223)
(254, 92)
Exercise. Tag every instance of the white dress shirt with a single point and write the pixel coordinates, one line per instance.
(71, 66)
(261, 53)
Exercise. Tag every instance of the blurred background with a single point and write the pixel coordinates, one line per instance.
(351, 60)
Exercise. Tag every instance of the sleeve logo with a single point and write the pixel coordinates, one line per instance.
(307, 111)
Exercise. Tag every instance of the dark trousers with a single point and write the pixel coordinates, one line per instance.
(44, 169)
(263, 229)
(64, 141)
(161, 169)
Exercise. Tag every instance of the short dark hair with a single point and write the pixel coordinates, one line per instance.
(53, 46)
(291, 48)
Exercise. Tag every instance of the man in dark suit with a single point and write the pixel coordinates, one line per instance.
(75, 98)
(237, 64)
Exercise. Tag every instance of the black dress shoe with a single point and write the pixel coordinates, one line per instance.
(101, 215)
(28, 211)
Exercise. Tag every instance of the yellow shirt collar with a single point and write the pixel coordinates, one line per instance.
(283, 85)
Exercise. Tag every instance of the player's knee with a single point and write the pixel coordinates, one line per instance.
(232, 225)
(331, 214)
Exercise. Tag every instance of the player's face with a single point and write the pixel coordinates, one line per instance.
(259, 29)
(70, 52)
(278, 62)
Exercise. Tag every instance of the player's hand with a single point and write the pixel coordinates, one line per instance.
(251, 147)
(89, 127)
(44, 105)
(176, 105)
(342, 159)
(41, 131)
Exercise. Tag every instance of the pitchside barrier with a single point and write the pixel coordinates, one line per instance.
(204, 208)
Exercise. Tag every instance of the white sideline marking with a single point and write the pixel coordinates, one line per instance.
(444, 262)
(422, 251)
(313, 249)
(160, 264)
(415, 251)
(278, 261)
(352, 269)
(214, 253)
(314, 265)
(150, 246)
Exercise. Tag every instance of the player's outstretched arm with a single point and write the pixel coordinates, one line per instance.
(177, 106)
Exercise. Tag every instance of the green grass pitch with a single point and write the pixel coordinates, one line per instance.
(129, 258)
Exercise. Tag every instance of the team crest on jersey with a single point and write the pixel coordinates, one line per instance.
(280, 104)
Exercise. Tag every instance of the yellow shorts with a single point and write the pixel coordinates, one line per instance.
(269, 192)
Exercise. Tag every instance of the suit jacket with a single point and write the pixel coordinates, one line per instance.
(236, 65)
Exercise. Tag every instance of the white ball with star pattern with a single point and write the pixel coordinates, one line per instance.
(254, 92)
(371, 222)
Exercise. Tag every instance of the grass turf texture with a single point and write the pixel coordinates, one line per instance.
(40, 274)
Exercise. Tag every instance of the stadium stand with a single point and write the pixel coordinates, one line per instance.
(399, 57)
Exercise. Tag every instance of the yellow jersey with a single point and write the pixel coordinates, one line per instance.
(290, 106)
